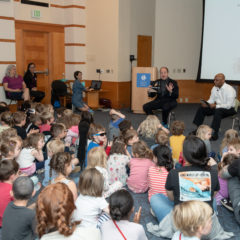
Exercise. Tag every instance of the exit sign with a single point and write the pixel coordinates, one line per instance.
(36, 14)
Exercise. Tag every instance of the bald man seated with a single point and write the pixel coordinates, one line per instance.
(220, 104)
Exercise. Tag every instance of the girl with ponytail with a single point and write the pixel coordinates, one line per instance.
(197, 180)
(55, 206)
(121, 208)
(139, 165)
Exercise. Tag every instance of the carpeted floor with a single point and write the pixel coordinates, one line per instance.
(184, 112)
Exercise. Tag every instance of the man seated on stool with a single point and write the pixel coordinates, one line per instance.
(166, 91)
(221, 104)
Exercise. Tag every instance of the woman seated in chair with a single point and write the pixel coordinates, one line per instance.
(30, 79)
(14, 85)
(77, 89)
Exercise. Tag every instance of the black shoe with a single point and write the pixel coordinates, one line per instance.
(226, 202)
(214, 138)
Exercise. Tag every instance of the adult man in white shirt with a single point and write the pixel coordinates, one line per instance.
(220, 104)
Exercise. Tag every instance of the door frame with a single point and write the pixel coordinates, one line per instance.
(54, 59)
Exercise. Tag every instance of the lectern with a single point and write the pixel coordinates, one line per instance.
(141, 77)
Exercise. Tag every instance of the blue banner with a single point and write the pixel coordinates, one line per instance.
(143, 79)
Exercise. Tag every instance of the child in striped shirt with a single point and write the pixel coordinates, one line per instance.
(157, 175)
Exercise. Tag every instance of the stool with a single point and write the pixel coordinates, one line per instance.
(171, 116)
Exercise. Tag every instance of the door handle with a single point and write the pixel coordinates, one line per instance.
(46, 72)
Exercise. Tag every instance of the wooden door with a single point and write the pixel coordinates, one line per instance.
(42, 44)
(36, 50)
(144, 51)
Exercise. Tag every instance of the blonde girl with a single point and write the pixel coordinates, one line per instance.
(229, 135)
(97, 158)
(32, 150)
(139, 166)
(90, 203)
(205, 133)
(61, 164)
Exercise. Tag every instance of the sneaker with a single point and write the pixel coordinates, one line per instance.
(226, 202)
(152, 212)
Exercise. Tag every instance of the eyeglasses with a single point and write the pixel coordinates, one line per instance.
(100, 134)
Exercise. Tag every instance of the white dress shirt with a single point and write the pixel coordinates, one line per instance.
(224, 97)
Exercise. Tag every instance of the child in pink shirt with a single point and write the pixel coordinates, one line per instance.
(47, 119)
(139, 165)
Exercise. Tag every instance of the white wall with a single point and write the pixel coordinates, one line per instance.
(136, 17)
(178, 30)
(102, 38)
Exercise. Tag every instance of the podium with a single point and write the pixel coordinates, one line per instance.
(141, 77)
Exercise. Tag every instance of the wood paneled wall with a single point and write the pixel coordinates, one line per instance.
(117, 92)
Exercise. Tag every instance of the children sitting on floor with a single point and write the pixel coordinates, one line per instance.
(176, 140)
(193, 219)
(205, 133)
(117, 162)
(61, 164)
(18, 220)
(130, 137)
(139, 166)
(97, 158)
(113, 128)
(121, 207)
(9, 171)
(32, 150)
(90, 202)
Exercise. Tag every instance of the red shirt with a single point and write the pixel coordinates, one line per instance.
(13, 82)
(44, 128)
(5, 198)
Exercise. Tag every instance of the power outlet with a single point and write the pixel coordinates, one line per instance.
(180, 100)
(107, 70)
(186, 99)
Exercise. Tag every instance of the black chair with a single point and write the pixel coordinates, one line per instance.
(11, 98)
(60, 92)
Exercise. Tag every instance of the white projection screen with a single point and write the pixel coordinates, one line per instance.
(220, 51)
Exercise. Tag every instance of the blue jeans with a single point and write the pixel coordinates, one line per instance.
(161, 205)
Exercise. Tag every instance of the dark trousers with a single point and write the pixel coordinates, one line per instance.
(166, 107)
(218, 115)
(38, 95)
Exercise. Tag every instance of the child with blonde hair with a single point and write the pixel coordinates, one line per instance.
(53, 147)
(139, 166)
(61, 164)
(32, 150)
(193, 219)
(205, 132)
(73, 132)
(90, 203)
(148, 129)
(176, 140)
(229, 135)
(97, 158)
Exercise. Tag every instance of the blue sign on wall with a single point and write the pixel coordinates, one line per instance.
(143, 79)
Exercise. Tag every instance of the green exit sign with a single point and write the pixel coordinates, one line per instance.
(36, 14)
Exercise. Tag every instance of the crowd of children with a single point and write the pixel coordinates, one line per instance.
(185, 180)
